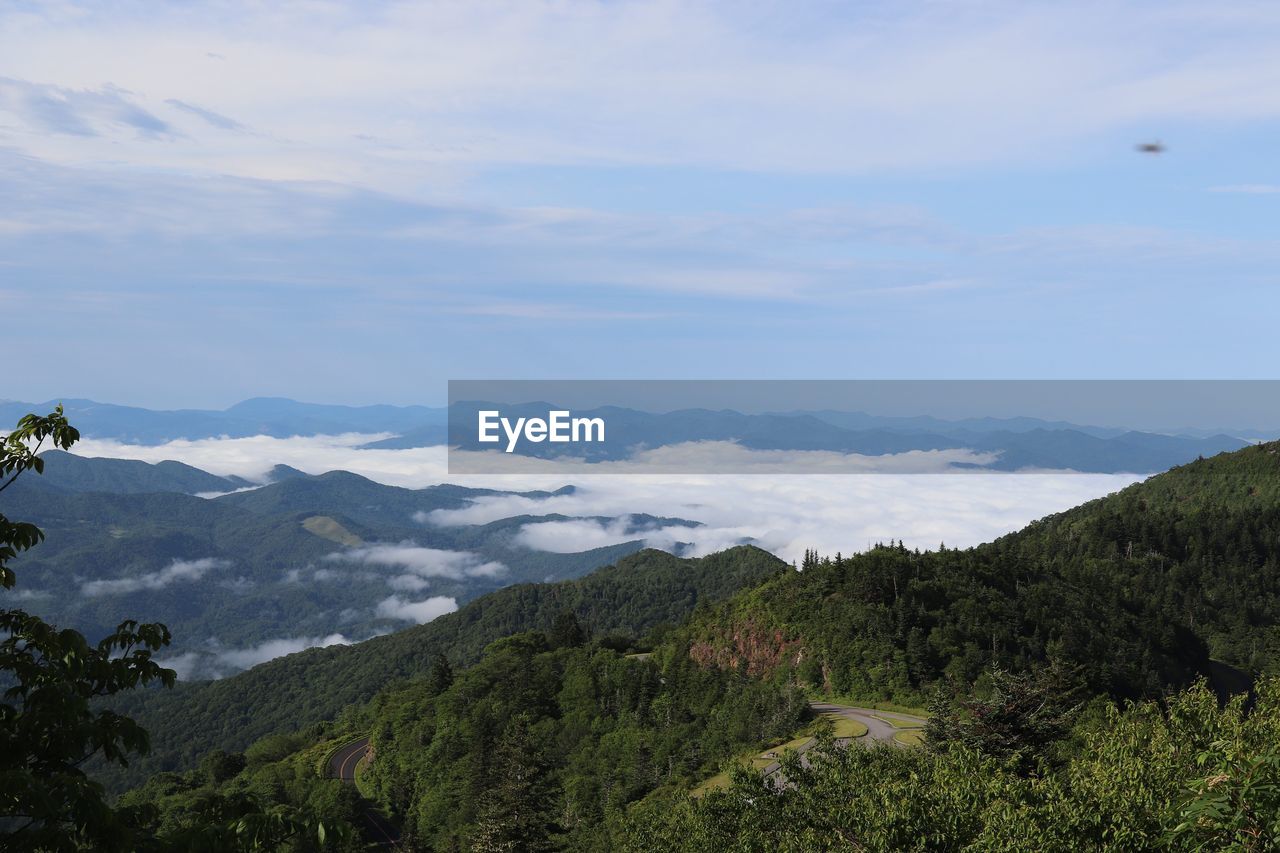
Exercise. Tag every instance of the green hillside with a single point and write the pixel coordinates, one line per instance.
(125, 476)
(276, 567)
(1141, 589)
(641, 593)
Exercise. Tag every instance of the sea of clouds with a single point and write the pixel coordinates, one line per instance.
(782, 512)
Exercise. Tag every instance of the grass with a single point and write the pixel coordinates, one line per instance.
(329, 528)
(756, 761)
(718, 782)
(910, 737)
(845, 727)
(899, 724)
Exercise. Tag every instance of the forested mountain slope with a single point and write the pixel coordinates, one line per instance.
(125, 476)
(642, 592)
(246, 576)
(1140, 589)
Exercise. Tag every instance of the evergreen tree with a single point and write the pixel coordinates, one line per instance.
(515, 813)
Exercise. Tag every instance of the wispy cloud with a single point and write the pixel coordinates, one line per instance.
(837, 89)
(218, 661)
(176, 572)
(271, 649)
(422, 562)
(418, 612)
(78, 112)
(215, 119)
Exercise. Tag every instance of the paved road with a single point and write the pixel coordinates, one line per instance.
(877, 728)
(343, 766)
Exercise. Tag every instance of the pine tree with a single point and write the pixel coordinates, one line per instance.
(515, 813)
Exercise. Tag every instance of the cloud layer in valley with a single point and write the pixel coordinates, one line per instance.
(217, 661)
(785, 513)
(418, 612)
(419, 565)
(176, 572)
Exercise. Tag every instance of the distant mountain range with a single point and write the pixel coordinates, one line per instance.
(1015, 444)
(249, 574)
(273, 416)
(1012, 443)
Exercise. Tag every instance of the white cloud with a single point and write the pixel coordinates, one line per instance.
(419, 612)
(254, 655)
(422, 562)
(724, 456)
(217, 661)
(783, 512)
(406, 95)
(582, 534)
(178, 570)
(787, 513)
(253, 457)
(185, 665)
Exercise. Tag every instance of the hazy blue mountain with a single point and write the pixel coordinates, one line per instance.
(1018, 442)
(1138, 452)
(1023, 443)
(962, 427)
(430, 435)
(272, 416)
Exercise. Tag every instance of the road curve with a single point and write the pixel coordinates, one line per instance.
(343, 763)
(343, 766)
(875, 721)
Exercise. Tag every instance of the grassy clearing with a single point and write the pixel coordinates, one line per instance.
(329, 528)
(718, 782)
(910, 737)
(899, 724)
(845, 727)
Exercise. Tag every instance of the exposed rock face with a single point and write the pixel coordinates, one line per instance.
(762, 649)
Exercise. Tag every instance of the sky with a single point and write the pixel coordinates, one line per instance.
(356, 202)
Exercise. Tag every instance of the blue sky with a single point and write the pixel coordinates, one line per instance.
(355, 202)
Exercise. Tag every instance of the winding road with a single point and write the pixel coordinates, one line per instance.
(343, 766)
(877, 722)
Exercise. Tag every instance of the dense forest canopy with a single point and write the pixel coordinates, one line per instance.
(643, 593)
(1142, 589)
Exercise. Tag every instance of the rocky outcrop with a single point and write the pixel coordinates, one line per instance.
(762, 649)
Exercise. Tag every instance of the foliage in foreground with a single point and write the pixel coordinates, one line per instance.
(52, 722)
(1185, 774)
